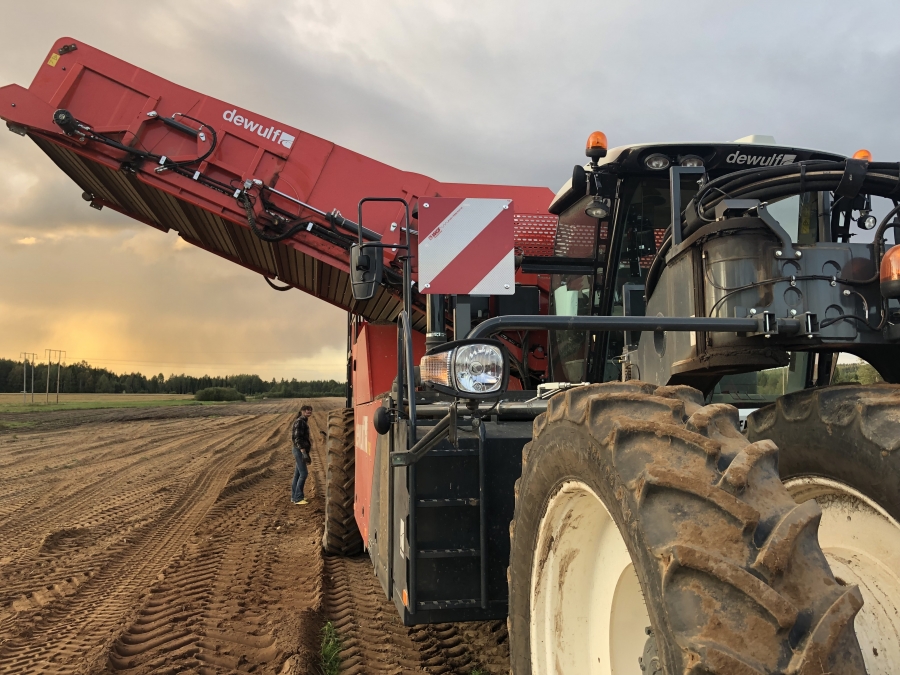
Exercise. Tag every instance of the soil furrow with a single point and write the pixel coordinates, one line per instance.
(164, 541)
(61, 626)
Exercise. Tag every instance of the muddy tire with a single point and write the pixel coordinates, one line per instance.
(841, 447)
(341, 536)
(727, 569)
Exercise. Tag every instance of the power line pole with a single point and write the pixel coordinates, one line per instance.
(49, 354)
(60, 357)
(26, 357)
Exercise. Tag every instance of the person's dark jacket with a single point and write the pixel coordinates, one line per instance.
(300, 434)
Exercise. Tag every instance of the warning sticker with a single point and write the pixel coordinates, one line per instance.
(53, 59)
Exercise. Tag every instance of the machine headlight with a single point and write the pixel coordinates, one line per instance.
(466, 369)
(657, 162)
(597, 208)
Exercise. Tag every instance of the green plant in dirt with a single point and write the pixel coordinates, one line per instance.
(331, 650)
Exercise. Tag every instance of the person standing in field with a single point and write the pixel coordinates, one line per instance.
(302, 445)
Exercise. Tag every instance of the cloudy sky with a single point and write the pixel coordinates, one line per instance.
(487, 91)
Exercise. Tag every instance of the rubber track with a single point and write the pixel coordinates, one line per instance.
(341, 536)
(751, 551)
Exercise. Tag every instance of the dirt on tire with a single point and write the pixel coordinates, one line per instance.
(729, 565)
(850, 433)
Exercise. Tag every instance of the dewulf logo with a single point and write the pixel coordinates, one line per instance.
(738, 157)
(270, 133)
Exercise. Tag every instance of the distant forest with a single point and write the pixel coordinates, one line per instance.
(82, 378)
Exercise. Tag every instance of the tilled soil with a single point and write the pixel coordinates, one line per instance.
(163, 540)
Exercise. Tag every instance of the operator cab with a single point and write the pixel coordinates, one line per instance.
(615, 215)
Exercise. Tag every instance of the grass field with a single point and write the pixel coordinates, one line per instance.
(12, 403)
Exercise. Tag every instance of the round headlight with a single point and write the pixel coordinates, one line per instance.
(867, 221)
(597, 209)
(691, 160)
(657, 162)
(478, 369)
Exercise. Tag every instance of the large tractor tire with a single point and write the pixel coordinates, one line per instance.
(341, 536)
(647, 528)
(841, 447)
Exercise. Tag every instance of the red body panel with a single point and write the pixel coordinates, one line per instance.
(114, 98)
(374, 370)
(375, 360)
(365, 436)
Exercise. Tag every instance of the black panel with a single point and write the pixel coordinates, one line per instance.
(446, 549)
(527, 300)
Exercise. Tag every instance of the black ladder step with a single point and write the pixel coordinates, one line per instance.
(448, 553)
(452, 452)
(447, 604)
(463, 501)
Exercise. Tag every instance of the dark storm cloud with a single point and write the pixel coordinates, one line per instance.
(500, 92)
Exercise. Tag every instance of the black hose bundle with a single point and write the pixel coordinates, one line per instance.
(768, 184)
(293, 226)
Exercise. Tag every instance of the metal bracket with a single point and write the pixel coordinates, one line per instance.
(434, 436)
(852, 180)
(675, 174)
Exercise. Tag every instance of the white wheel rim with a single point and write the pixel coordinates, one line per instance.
(862, 544)
(587, 610)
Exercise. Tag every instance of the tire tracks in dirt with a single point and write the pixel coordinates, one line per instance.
(70, 630)
(138, 473)
(207, 522)
(172, 547)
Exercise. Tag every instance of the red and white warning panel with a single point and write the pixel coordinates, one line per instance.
(466, 246)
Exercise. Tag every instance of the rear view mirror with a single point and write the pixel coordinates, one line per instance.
(366, 270)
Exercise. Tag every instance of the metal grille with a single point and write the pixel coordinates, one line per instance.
(575, 240)
(535, 233)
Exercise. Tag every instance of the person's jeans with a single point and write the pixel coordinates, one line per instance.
(300, 473)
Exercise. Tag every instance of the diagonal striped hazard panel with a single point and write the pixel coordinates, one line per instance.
(466, 246)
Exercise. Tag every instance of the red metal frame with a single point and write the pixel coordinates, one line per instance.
(115, 97)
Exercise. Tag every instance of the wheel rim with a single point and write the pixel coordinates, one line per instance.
(861, 542)
(587, 610)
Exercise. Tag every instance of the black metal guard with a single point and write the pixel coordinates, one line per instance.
(482, 516)
(405, 372)
(613, 323)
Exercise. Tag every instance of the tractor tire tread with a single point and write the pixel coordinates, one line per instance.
(743, 549)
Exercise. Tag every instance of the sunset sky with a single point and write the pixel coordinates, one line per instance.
(500, 92)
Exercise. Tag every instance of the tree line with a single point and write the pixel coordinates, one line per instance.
(82, 378)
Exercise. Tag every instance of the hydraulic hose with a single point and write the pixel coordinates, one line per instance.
(244, 199)
(880, 179)
(277, 288)
(656, 267)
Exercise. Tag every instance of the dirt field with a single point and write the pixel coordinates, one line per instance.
(15, 403)
(163, 540)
